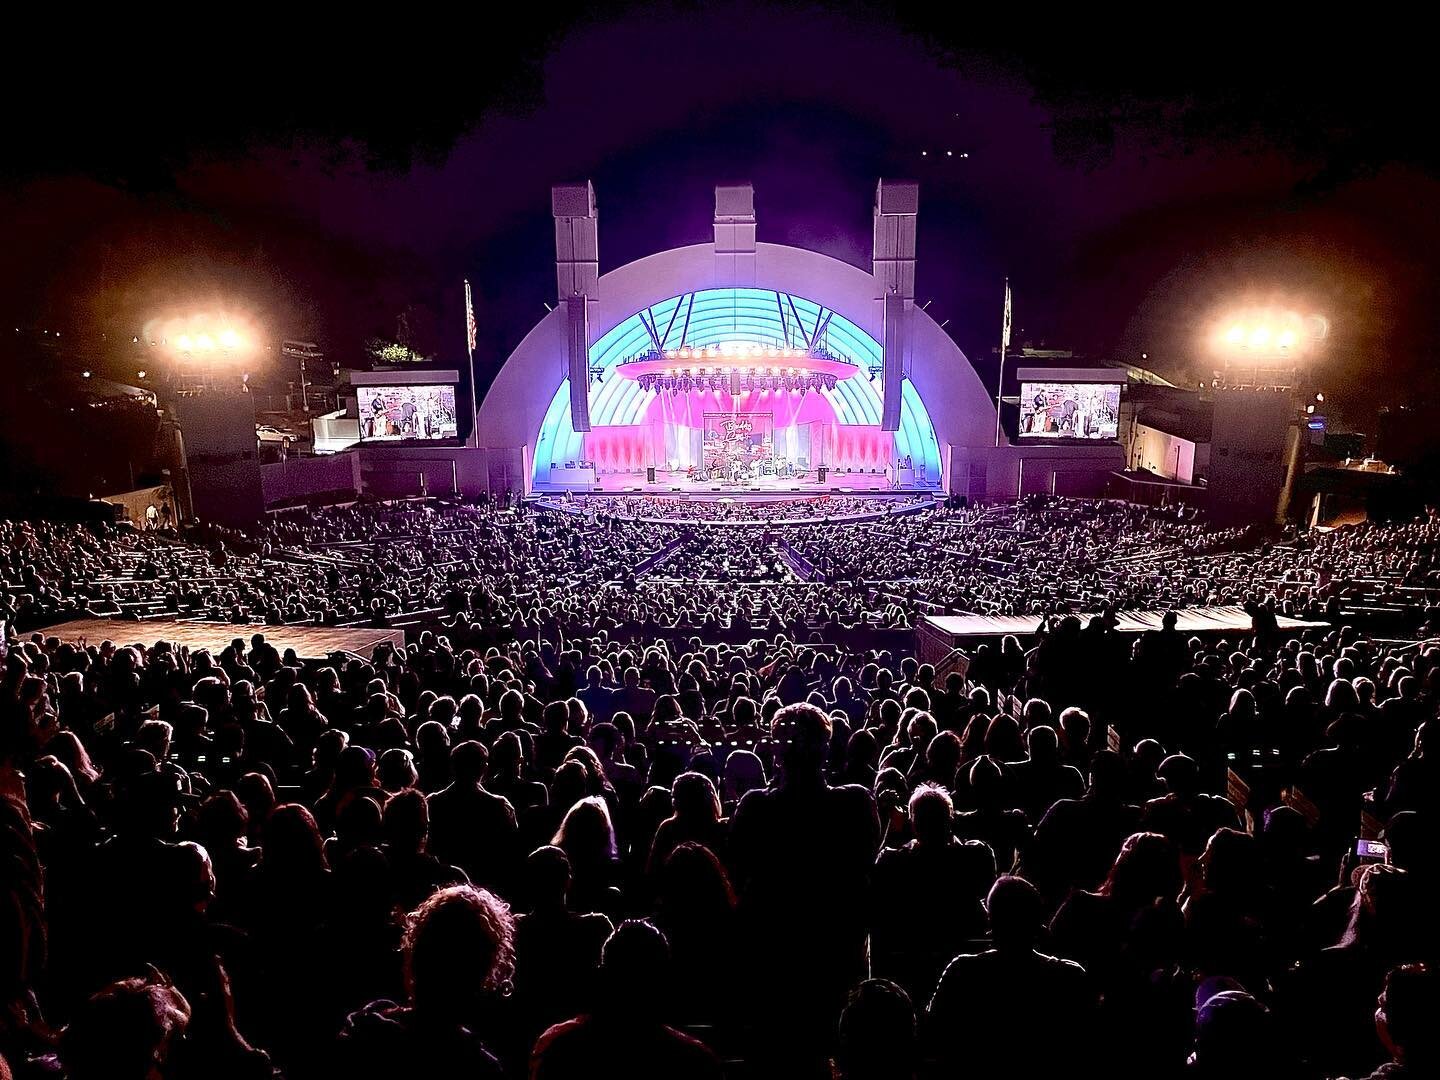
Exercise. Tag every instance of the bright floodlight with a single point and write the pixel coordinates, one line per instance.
(1279, 333)
(204, 343)
(183, 342)
(229, 339)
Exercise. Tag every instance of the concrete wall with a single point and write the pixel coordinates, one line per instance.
(1163, 454)
(221, 456)
(1248, 453)
(989, 473)
(397, 472)
(299, 478)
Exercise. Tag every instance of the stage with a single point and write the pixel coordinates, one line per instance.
(681, 482)
(309, 642)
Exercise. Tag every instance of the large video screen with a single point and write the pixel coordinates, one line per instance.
(742, 439)
(396, 413)
(1069, 410)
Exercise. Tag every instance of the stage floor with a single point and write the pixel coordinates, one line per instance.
(673, 483)
(309, 642)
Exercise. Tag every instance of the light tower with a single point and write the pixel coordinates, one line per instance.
(1257, 436)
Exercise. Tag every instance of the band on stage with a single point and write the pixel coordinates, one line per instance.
(737, 470)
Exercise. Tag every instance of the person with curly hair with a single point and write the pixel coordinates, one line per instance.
(459, 956)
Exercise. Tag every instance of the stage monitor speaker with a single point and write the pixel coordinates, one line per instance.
(650, 474)
(821, 473)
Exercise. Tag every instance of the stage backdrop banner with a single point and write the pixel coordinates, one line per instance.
(743, 437)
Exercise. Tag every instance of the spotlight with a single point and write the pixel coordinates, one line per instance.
(183, 343)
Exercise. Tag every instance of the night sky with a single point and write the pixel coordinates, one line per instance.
(1130, 184)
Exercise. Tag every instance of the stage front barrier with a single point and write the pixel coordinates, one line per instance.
(1213, 620)
(937, 648)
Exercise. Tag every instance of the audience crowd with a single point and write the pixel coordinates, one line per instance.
(486, 570)
(573, 829)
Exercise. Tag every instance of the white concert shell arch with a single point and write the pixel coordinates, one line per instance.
(960, 409)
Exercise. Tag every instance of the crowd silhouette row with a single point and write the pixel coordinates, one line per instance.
(488, 574)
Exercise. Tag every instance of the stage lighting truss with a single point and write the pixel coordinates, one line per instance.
(738, 381)
(738, 368)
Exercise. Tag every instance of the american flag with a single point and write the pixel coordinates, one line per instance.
(469, 320)
(1005, 324)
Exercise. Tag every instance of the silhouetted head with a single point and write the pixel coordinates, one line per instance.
(468, 761)
(693, 886)
(634, 971)
(459, 946)
(1234, 1036)
(1146, 869)
(1180, 773)
(802, 733)
(407, 821)
(547, 876)
(932, 814)
(293, 844)
(877, 1033)
(1042, 744)
(694, 798)
(125, 1031)
(586, 833)
(1016, 912)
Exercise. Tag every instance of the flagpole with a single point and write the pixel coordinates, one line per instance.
(470, 354)
(1004, 341)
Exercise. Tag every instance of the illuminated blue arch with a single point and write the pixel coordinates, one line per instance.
(730, 316)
